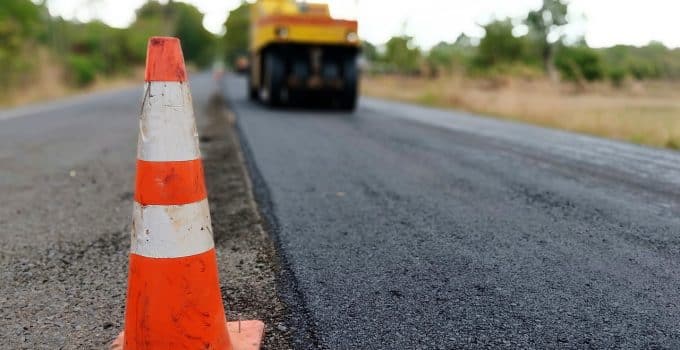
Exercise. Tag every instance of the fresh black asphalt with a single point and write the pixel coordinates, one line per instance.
(402, 227)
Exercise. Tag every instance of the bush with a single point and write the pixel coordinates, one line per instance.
(402, 55)
(644, 70)
(506, 70)
(499, 45)
(18, 22)
(577, 63)
(617, 75)
(82, 70)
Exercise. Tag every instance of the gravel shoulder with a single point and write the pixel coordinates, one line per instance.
(246, 256)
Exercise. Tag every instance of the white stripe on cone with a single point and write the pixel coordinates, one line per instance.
(171, 231)
(167, 130)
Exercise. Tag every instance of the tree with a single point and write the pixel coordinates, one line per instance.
(441, 56)
(402, 54)
(369, 51)
(652, 61)
(448, 55)
(579, 63)
(237, 27)
(19, 20)
(544, 23)
(175, 19)
(499, 45)
(197, 42)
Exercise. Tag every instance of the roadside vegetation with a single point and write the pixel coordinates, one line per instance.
(46, 57)
(526, 69)
(521, 68)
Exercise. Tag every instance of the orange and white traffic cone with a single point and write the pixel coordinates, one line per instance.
(173, 299)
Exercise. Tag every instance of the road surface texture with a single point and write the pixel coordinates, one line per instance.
(66, 182)
(402, 227)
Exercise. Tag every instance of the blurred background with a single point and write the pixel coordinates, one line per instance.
(608, 68)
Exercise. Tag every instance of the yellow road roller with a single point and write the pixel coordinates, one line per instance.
(299, 54)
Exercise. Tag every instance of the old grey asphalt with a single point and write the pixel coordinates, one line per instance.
(66, 173)
(402, 227)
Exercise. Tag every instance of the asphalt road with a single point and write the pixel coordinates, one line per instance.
(397, 227)
(401, 227)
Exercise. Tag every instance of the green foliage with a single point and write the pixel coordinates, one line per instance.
(19, 26)
(448, 56)
(548, 18)
(653, 61)
(172, 19)
(94, 48)
(369, 51)
(402, 54)
(102, 46)
(617, 76)
(197, 42)
(579, 63)
(440, 57)
(500, 52)
(19, 18)
(542, 23)
(442, 54)
(89, 50)
(82, 70)
(499, 45)
(152, 9)
(235, 39)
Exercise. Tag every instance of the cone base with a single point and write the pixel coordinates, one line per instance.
(249, 337)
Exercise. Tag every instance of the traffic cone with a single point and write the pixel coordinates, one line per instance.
(173, 298)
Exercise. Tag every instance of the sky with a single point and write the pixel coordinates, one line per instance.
(633, 22)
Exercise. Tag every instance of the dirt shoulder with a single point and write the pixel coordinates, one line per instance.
(50, 83)
(247, 258)
(639, 112)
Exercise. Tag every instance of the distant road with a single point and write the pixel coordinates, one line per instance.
(402, 227)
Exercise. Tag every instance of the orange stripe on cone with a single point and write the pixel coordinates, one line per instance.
(164, 60)
(188, 314)
(169, 183)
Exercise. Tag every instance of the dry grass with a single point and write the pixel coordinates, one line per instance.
(646, 113)
(49, 82)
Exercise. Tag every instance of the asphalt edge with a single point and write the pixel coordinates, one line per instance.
(300, 320)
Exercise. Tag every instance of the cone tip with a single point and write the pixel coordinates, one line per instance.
(164, 60)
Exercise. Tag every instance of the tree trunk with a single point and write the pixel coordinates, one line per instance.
(549, 63)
